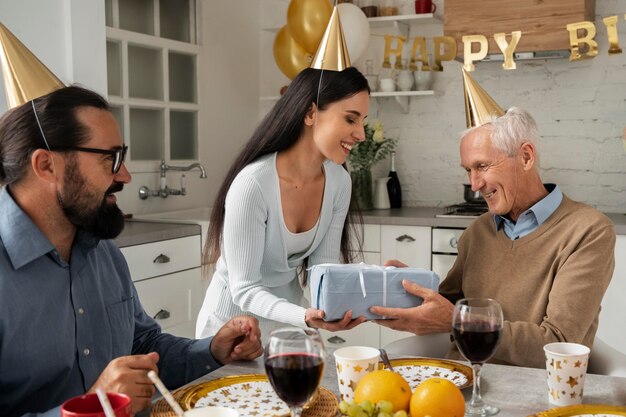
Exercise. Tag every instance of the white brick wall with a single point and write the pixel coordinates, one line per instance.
(580, 108)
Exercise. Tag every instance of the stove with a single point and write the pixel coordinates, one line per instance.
(463, 210)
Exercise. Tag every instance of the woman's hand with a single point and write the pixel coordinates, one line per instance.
(315, 318)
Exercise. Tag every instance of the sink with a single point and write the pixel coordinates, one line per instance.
(198, 215)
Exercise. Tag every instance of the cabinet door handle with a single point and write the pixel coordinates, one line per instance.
(453, 242)
(405, 238)
(336, 340)
(162, 315)
(161, 259)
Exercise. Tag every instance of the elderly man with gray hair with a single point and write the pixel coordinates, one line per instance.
(545, 258)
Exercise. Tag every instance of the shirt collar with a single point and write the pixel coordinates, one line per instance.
(22, 239)
(542, 209)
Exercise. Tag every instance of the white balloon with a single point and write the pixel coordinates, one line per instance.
(356, 29)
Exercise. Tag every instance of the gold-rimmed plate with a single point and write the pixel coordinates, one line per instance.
(251, 394)
(416, 370)
(583, 410)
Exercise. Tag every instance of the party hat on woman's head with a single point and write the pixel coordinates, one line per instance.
(332, 54)
(25, 76)
(480, 108)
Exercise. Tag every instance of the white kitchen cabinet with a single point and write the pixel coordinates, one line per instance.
(371, 245)
(365, 334)
(174, 300)
(409, 244)
(168, 278)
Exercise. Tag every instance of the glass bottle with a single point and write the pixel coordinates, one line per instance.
(369, 7)
(372, 79)
(393, 185)
(388, 8)
(405, 77)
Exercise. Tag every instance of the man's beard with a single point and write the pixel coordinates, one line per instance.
(104, 221)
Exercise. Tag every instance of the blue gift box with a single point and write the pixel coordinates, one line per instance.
(337, 288)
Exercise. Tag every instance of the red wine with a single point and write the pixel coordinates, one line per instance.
(294, 376)
(477, 340)
(393, 185)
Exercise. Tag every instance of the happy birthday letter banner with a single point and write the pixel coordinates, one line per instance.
(581, 38)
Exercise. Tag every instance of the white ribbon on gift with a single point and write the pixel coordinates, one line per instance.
(364, 267)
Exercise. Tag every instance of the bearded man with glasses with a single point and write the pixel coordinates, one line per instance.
(70, 317)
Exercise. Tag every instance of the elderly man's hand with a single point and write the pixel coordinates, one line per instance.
(433, 316)
(238, 339)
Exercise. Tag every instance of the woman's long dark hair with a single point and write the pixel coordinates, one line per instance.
(279, 130)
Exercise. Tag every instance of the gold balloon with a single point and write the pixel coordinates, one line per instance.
(307, 21)
(290, 57)
(575, 41)
(508, 48)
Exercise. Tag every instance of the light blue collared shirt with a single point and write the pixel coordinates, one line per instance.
(532, 218)
(62, 323)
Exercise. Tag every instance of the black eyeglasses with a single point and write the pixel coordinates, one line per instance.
(118, 154)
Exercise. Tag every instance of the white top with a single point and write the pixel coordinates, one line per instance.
(299, 242)
(254, 274)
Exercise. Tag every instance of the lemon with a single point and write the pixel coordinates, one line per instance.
(384, 385)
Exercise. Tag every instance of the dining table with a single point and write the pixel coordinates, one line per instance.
(516, 391)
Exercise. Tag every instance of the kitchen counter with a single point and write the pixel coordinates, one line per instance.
(138, 232)
(425, 216)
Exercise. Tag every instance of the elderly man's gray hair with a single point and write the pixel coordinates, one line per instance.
(510, 131)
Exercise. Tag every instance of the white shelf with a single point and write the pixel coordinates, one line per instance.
(402, 97)
(403, 18)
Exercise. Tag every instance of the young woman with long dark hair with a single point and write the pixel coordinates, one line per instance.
(284, 205)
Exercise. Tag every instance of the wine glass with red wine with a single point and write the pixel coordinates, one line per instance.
(294, 363)
(476, 326)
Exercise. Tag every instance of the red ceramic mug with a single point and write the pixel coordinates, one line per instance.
(88, 405)
(425, 6)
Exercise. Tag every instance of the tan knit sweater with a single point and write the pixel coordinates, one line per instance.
(550, 283)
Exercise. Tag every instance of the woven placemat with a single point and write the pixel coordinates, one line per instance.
(325, 406)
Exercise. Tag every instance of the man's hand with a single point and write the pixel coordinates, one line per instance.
(129, 375)
(433, 316)
(315, 318)
(238, 339)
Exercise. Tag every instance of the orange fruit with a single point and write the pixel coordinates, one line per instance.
(437, 397)
(384, 385)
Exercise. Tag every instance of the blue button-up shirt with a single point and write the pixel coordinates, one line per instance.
(61, 324)
(532, 218)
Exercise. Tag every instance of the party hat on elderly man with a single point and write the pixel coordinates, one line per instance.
(332, 54)
(480, 108)
(25, 76)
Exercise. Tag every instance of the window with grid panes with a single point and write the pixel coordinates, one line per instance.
(152, 56)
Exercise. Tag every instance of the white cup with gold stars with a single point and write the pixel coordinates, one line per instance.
(353, 363)
(566, 364)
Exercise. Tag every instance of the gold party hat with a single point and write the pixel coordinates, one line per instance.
(25, 76)
(332, 54)
(480, 108)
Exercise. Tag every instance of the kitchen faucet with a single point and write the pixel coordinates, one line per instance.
(164, 190)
